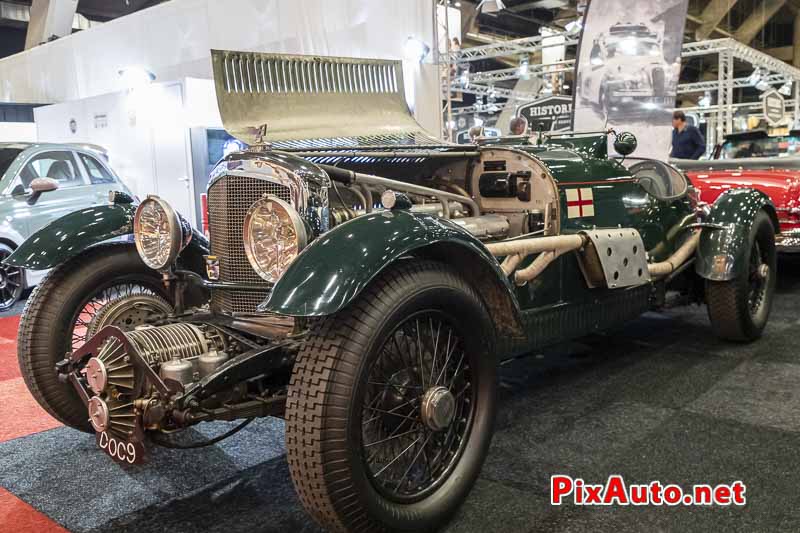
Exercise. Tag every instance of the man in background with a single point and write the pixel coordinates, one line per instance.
(518, 126)
(687, 141)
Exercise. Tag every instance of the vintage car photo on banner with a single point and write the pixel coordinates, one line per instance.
(628, 69)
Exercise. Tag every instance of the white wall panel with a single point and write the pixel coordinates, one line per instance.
(17, 132)
(173, 41)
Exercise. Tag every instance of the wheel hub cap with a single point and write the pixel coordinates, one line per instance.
(438, 408)
(96, 375)
(98, 414)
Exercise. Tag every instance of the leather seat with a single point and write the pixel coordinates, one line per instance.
(61, 171)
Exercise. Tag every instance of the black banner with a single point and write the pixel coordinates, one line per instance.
(552, 113)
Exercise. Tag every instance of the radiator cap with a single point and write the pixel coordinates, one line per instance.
(395, 200)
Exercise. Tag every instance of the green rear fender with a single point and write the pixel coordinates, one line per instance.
(721, 253)
(336, 267)
(71, 234)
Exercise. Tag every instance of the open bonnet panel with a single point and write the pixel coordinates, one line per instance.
(314, 101)
(352, 113)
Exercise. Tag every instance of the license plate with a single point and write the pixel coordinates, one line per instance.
(121, 450)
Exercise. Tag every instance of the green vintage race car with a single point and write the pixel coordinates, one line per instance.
(362, 280)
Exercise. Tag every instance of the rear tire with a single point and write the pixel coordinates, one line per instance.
(357, 379)
(48, 323)
(739, 308)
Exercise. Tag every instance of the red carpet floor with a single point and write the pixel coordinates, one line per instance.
(20, 415)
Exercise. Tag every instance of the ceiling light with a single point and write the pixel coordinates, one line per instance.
(786, 89)
(478, 121)
(705, 101)
(524, 70)
(491, 6)
(416, 50)
(762, 85)
(463, 80)
(135, 76)
(574, 28)
(755, 77)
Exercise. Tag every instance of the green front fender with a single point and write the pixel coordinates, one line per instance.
(71, 234)
(721, 253)
(336, 267)
(68, 236)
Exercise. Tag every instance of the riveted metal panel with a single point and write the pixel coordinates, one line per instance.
(621, 256)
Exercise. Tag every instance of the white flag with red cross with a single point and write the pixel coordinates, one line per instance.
(580, 202)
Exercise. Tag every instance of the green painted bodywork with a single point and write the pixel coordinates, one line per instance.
(68, 236)
(71, 234)
(721, 252)
(337, 266)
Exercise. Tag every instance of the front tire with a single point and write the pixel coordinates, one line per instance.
(57, 320)
(12, 280)
(739, 308)
(391, 403)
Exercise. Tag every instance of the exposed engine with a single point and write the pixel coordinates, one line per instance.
(180, 354)
(157, 379)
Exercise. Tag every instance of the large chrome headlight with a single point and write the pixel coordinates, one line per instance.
(158, 233)
(274, 234)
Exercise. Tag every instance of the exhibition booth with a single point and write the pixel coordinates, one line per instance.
(125, 87)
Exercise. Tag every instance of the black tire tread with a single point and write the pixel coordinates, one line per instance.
(42, 313)
(726, 301)
(722, 298)
(319, 391)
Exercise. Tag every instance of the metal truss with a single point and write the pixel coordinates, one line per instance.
(725, 93)
(741, 52)
(728, 51)
(497, 92)
(530, 45)
(482, 108)
(737, 83)
(527, 45)
(750, 106)
(493, 76)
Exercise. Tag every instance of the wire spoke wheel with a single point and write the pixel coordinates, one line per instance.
(417, 407)
(11, 281)
(75, 299)
(390, 406)
(758, 278)
(94, 304)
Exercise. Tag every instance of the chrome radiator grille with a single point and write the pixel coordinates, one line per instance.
(228, 201)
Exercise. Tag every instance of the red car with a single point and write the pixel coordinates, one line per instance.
(754, 159)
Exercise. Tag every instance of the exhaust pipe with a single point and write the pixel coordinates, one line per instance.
(681, 255)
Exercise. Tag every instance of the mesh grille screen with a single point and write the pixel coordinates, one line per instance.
(228, 201)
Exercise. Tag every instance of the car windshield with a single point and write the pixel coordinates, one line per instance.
(630, 46)
(783, 146)
(7, 156)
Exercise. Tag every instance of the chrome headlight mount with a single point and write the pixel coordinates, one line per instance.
(274, 234)
(159, 233)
